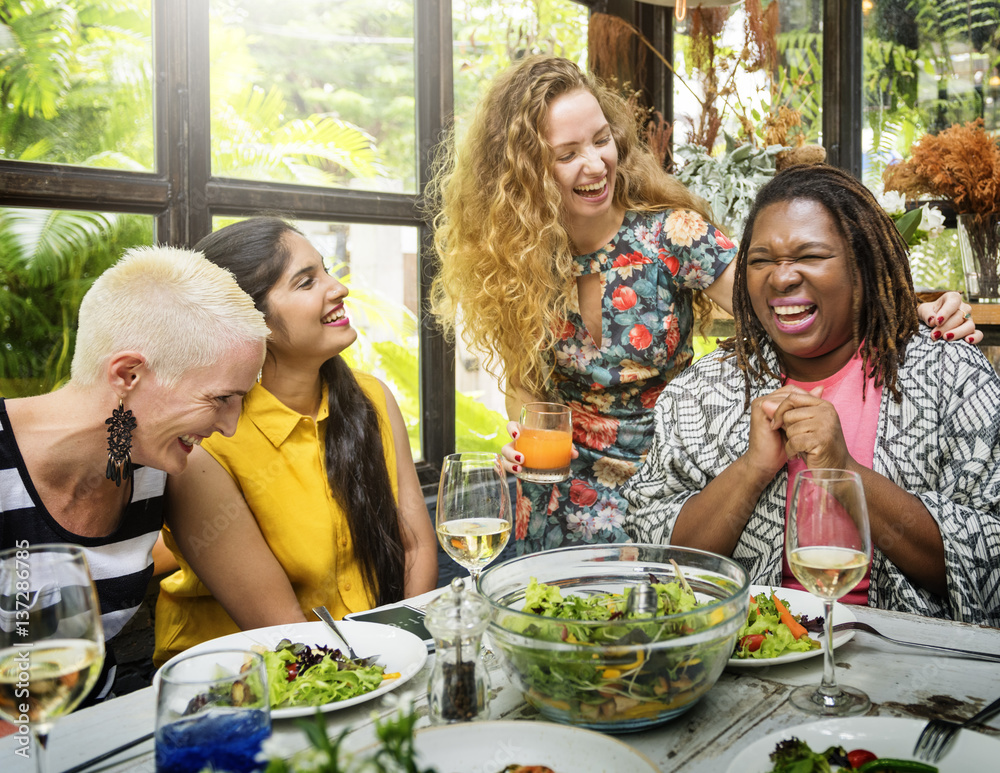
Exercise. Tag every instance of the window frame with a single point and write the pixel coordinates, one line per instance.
(184, 196)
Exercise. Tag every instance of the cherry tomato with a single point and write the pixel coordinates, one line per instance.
(293, 671)
(753, 641)
(859, 757)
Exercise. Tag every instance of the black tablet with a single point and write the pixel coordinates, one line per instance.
(408, 618)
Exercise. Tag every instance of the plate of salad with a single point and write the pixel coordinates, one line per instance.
(306, 668)
(883, 738)
(767, 639)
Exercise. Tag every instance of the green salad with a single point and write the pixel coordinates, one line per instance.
(771, 631)
(300, 675)
(634, 683)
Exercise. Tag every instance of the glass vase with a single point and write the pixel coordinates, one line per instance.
(979, 245)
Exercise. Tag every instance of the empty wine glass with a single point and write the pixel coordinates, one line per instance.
(473, 509)
(828, 545)
(51, 639)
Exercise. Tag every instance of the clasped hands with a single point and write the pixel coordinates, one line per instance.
(792, 422)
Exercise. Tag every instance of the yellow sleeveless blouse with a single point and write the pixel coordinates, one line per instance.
(276, 458)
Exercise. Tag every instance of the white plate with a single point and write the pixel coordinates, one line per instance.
(400, 651)
(884, 736)
(488, 747)
(800, 603)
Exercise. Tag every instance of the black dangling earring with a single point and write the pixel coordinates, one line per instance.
(120, 427)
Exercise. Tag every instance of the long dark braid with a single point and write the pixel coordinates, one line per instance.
(256, 252)
(885, 315)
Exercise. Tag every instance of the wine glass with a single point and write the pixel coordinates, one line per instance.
(51, 639)
(828, 545)
(473, 509)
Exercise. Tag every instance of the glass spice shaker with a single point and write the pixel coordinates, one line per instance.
(459, 686)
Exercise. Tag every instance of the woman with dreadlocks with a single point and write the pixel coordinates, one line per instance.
(830, 368)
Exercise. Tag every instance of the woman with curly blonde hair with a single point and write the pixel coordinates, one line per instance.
(573, 259)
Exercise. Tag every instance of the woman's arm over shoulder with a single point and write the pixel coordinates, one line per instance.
(221, 541)
(418, 535)
(704, 256)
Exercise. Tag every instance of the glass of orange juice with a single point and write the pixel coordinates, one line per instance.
(546, 441)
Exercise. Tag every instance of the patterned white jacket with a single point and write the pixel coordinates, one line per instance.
(941, 443)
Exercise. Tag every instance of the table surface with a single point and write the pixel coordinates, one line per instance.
(744, 705)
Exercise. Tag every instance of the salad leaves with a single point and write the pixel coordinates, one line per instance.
(300, 675)
(612, 672)
(765, 636)
(795, 756)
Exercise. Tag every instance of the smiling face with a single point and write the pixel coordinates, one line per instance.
(171, 420)
(305, 309)
(586, 157)
(801, 287)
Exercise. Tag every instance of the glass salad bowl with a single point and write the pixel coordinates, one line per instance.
(630, 670)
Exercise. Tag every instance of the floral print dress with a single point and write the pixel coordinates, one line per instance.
(645, 340)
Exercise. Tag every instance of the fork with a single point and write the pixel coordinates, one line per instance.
(855, 626)
(324, 614)
(938, 734)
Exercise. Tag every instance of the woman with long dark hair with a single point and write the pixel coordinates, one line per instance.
(315, 499)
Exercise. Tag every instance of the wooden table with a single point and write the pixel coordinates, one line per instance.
(743, 706)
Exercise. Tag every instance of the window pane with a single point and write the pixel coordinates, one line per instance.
(727, 82)
(48, 260)
(489, 34)
(76, 80)
(378, 263)
(927, 65)
(314, 92)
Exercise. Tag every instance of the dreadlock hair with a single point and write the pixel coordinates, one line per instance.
(256, 251)
(885, 311)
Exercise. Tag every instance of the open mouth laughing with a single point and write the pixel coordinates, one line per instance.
(793, 317)
(335, 316)
(593, 190)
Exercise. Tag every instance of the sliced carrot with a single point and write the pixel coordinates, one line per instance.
(798, 631)
(392, 675)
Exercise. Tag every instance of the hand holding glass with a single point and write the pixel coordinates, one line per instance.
(49, 613)
(828, 545)
(212, 710)
(546, 441)
(473, 509)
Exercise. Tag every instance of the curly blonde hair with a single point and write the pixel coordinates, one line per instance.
(506, 260)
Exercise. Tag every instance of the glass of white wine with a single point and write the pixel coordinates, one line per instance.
(51, 639)
(828, 545)
(473, 509)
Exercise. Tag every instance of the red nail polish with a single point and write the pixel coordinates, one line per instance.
(950, 336)
(930, 321)
(515, 434)
(936, 335)
(971, 340)
(516, 467)
(518, 458)
(940, 320)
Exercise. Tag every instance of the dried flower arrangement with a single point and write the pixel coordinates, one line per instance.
(962, 165)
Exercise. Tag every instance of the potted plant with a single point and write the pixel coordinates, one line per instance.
(962, 165)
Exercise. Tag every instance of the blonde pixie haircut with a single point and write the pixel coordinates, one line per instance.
(179, 310)
(506, 261)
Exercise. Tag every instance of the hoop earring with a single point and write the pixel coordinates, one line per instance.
(120, 427)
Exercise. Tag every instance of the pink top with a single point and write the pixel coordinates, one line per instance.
(859, 422)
